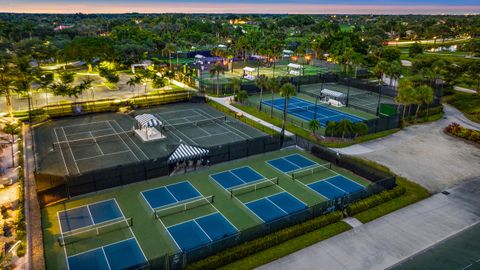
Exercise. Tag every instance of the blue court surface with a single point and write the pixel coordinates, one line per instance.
(169, 195)
(291, 163)
(275, 206)
(334, 187)
(236, 177)
(89, 215)
(125, 254)
(200, 231)
(305, 110)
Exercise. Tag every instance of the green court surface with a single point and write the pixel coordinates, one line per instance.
(461, 251)
(74, 145)
(150, 230)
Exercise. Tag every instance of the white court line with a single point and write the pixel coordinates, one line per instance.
(195, 221)
(131, 231)
(86, 124)
(106, 259)
(268, 199)
(71, 152)
(128, 147)
(90, 131)
(138, 147)
(61, 235)
(98, 146)
(61, 151)
(165, 121)
(104, 155)
(203, 113)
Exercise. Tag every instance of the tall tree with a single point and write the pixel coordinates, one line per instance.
(423, 95)
(236, 85)
(7, 79)
(261, 83)
(215, 71)
(314, 125)
(405, 94)
(168, 50)
(286, 91)
(273, 84)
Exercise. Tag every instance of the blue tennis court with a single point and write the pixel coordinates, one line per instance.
(291, 163)
(275, 206)
(169, 195)
(236, 177)
(125, 254)
(305, 110)
(200, 231)
(88, 215)
(334, 187)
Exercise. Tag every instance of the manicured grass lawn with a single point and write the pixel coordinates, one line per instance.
(289, 247)
(468, 104)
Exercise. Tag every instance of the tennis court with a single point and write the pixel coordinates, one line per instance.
(89, 215)
(82, 145)
(102, 221)
(236, 177)
(201, 231)
(336, 186)
(198, 212)
(307, 111)
(199, 127)
(291, 163)
(359, 98)
(125, 254)
(170, 195)
(275, 206)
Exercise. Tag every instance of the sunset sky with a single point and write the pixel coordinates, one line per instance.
(244, 6)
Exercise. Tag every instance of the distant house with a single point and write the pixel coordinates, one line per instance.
(62, 27)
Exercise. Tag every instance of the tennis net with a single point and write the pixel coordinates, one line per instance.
(91, 140)
(204, 122)
(253, 186)
(311, 171)
(94, 230)
(181, 207)
(302, 108)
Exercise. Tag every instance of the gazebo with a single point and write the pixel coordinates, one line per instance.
(332, 97)
(295, 69)
(248, 73)
(144, 64)
(185, 152)
(146, 127)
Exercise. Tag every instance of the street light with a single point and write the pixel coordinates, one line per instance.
(434, 41)
(145, 85)
(397, 39)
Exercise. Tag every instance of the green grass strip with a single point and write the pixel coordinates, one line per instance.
(288, 247)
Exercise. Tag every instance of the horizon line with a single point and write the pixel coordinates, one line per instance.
(266, 9)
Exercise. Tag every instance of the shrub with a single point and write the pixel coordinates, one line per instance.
(374, 200)
(110, 75)
(21, 249)
(457, 130)
(273, 239)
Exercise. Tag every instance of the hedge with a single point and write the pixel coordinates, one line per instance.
(375, 200)
(268, 241)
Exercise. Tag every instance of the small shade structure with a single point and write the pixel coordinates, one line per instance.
(327, 96)
(147, 121)
(295, 69)
(248, 73)
(187, 152)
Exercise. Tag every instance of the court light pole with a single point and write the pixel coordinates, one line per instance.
(379, 97)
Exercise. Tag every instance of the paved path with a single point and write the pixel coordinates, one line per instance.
(390, 239)
(425, 154)
(225, 101)
(463, 89)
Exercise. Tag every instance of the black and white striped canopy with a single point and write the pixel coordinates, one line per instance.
(187, 152)
(148, 120)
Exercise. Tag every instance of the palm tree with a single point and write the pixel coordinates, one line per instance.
(360, 128)
(134, 81)
(314, 125)
(6, 82)
(423, 95)
(394, 71)
(273, 85)
(286, 91)
(345, 127)
(236, 85)
(45, 80)
(261, 82)
(405, 94)
(168, 50)
(216, 70)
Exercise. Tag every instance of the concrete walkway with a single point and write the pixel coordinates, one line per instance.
(225, 101)
(425, 154)
(395, 237)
